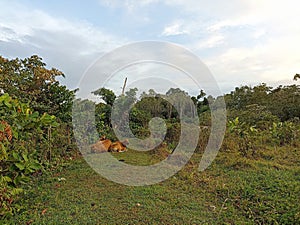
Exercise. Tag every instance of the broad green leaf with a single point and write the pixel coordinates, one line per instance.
(35, 115)
(20, 166)
(7, 179)
(21, 179)
(17, 191)
(7, 104)
(25, 157)
(4, 97)
(35, 166)
(15, 156)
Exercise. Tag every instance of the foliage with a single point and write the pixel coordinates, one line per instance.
(285, 133)
(31, 82)
(106, 95)
(283, 101)
(245, 135)
(20, 154)
(83, 120)
(258, 116)
(255, 115)
(139, 111)
(35, 124)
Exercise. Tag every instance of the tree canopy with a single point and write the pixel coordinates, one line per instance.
(30, 81)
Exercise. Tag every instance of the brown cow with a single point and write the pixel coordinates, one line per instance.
(119, 146)
(103, 145)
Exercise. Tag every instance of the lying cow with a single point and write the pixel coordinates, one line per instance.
(105, 145)
(119, 146)
(102, 145)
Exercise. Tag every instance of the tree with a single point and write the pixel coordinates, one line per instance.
(203, 105)
(297, 76)
(284, 102)
(30, 81)
(239, 98)
(108, 96)
(179, 99)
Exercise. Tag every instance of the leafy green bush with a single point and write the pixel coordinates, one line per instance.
(245, 134)
(24, 147)
(284, 133)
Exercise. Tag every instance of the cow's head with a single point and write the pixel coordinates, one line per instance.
(119, 146)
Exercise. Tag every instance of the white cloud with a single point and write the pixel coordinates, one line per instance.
(211, 42)
(176, 28)
(224, 24)
(70, 46)
(248, 41)
(129, 5)
(23, 24)
(274, 61)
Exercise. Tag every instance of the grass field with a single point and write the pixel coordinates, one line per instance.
(233, 190)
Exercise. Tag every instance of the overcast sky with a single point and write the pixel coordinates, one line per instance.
(241, 42)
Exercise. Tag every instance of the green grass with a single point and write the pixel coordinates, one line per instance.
(233, 190)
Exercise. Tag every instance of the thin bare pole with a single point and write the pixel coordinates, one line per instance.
(123, 89)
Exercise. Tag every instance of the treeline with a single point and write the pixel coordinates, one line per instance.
(260, 117)
(283, 102)
(257, 116)
(139, 110)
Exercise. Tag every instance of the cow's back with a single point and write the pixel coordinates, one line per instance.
(101, 146)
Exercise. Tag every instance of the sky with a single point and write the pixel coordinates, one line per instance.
(242, 42)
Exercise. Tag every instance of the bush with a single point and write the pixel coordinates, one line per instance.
(285, 133)
(24, 147)
(246, 136)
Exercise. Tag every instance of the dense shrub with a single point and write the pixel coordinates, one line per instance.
(28, 142)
